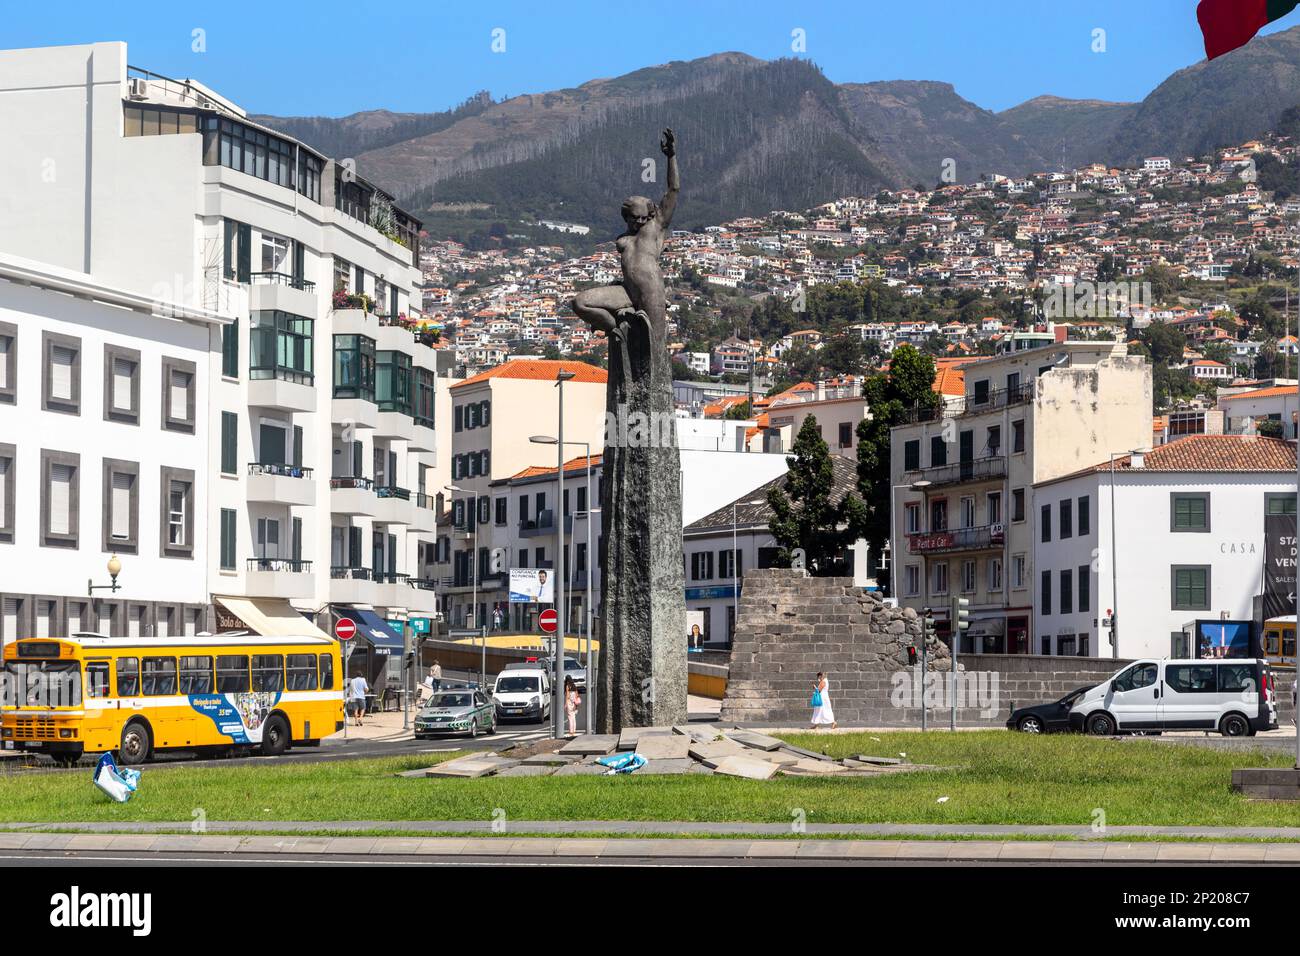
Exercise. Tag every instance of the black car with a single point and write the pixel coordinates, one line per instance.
(1046, 718)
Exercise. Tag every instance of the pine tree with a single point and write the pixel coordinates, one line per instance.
(806, 514)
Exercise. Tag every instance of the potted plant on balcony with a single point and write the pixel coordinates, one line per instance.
(343, 299)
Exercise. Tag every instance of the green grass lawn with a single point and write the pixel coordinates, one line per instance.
(991, 777)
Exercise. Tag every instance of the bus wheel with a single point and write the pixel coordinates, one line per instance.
(275, 737)
(136, 745)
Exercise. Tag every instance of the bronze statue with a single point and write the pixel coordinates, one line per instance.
(642, 620)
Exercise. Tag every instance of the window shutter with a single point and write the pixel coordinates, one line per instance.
(229, 443)
(61, 360)
(121, 506)
(180, 389)
(6, 343)
(245, 253)
(123, 373)
(297, 446)
(60, 499)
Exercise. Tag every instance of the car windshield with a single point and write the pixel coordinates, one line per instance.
(41, 684)
(516, 685)
(572, 665)
(450, 700)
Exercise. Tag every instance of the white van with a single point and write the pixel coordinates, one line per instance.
(523, 692)
(1234, 697)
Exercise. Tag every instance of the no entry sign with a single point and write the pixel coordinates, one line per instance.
(345, 629)
(549, 620)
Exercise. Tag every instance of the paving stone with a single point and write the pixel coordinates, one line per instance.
(664, 747)
(627, 740)
(813, 754)
(548, 760)
(778, 757)
(465, 769)
(697, 767)
(879, 761)
(528, 770)
(809, 766)
(715, 750)
(580, 770)
(700, 732)
(749, 767)
(663, 765)
(584, 744)
(756, 740)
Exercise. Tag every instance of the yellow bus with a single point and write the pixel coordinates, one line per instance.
(1279, 640)
(89, 694)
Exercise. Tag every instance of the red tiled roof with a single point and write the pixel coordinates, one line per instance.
(950, 381)
(540, 370)
(1214, 453)
(1275, 391)
(575, 464)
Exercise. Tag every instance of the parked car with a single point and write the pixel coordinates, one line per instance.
(522, 692)
(1234, 696)
(1049, 718)
(465, 711)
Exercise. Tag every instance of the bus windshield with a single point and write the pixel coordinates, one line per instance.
(41, 684)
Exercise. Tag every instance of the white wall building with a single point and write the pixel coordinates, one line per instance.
(103, 450)
(1189, 543)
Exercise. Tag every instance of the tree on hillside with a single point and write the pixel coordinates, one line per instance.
(908, 385)
(805, 512)
(1164, 343)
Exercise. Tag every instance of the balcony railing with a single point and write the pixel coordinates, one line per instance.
(957, 539)
(279, 471)
(969, 405)
(343, 572)
(979, 469)
(426, 501)
(283, 278)
(392, 491)
(290, 565)
(391, 577)
(365, 484)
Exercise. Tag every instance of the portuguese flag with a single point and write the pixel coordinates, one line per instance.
(1228, 24)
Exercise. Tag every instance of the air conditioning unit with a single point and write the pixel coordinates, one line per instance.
(137, 88)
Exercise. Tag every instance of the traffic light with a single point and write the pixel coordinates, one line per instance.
(960, 615)
(928, 629)
(911, 655)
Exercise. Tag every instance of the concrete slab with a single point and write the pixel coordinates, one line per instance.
(580, 770)
(878, 761)
(1184, 852)
(549, 760)
(627, 740)
(755, 740)
(1143, 852)
(747, 767)
(699, 732)
(465, 769)
(808, 765)
(715, 750)
(811, 754)
(664, 747)
(527, 770)
(665, 766)
(586, 744)
(580, 847)
(697, 767)
(444, 846)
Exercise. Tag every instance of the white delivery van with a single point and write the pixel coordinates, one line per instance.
(523, 692)
(1234, 697)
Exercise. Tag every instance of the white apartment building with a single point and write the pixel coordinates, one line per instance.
(1188, 543)
(963, 477)
(1247, 409)
(320, 399)
(103, 445)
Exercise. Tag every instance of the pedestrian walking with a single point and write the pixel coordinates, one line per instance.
(358, 688)
(821, 703)
(434, 680)
(572, 701)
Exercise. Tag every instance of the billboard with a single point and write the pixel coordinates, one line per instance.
(1279, 565)
(532, 586)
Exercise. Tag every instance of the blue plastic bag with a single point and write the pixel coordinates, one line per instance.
(816, 698)
(118, 784)
(622, 763)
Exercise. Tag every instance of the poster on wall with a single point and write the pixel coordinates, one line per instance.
(531, 586)
(695, 630)
(1223, 639)
(1279, 565)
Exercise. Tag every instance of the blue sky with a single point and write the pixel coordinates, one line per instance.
(334, 58)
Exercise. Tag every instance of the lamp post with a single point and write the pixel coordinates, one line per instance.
(557, 702)
(114, 569)
(588, 615)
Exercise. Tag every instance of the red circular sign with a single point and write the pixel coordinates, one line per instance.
(345, 629)
(549, 620)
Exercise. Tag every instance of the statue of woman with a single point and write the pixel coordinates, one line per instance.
(640, 295)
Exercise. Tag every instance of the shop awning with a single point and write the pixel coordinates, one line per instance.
(270, 617)
(372, 628)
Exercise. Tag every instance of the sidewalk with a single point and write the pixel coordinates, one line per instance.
(683, 851)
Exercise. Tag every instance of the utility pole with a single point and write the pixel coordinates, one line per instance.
(557, 692)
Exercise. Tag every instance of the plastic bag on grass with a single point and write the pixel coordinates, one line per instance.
(117, 783)
(622, 763)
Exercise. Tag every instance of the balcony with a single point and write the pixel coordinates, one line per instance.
(983, 538)
(543, 524)
(352, 585)
(422, 435)
(424, 516)
(393, 505)
(280, 577)
(979, 469)
(281, 292)
(353, 497)
(281, 484)
(283, 394)
(971, 405)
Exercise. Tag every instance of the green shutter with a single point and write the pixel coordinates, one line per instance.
(229, 443)
(227, 539)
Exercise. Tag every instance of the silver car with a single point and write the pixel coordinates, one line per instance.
(460, 711)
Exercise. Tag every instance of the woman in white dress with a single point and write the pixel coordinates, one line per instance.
(822, 714)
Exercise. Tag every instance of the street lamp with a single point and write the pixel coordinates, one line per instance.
(114, 569)
(551, 440)
(557, 702)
